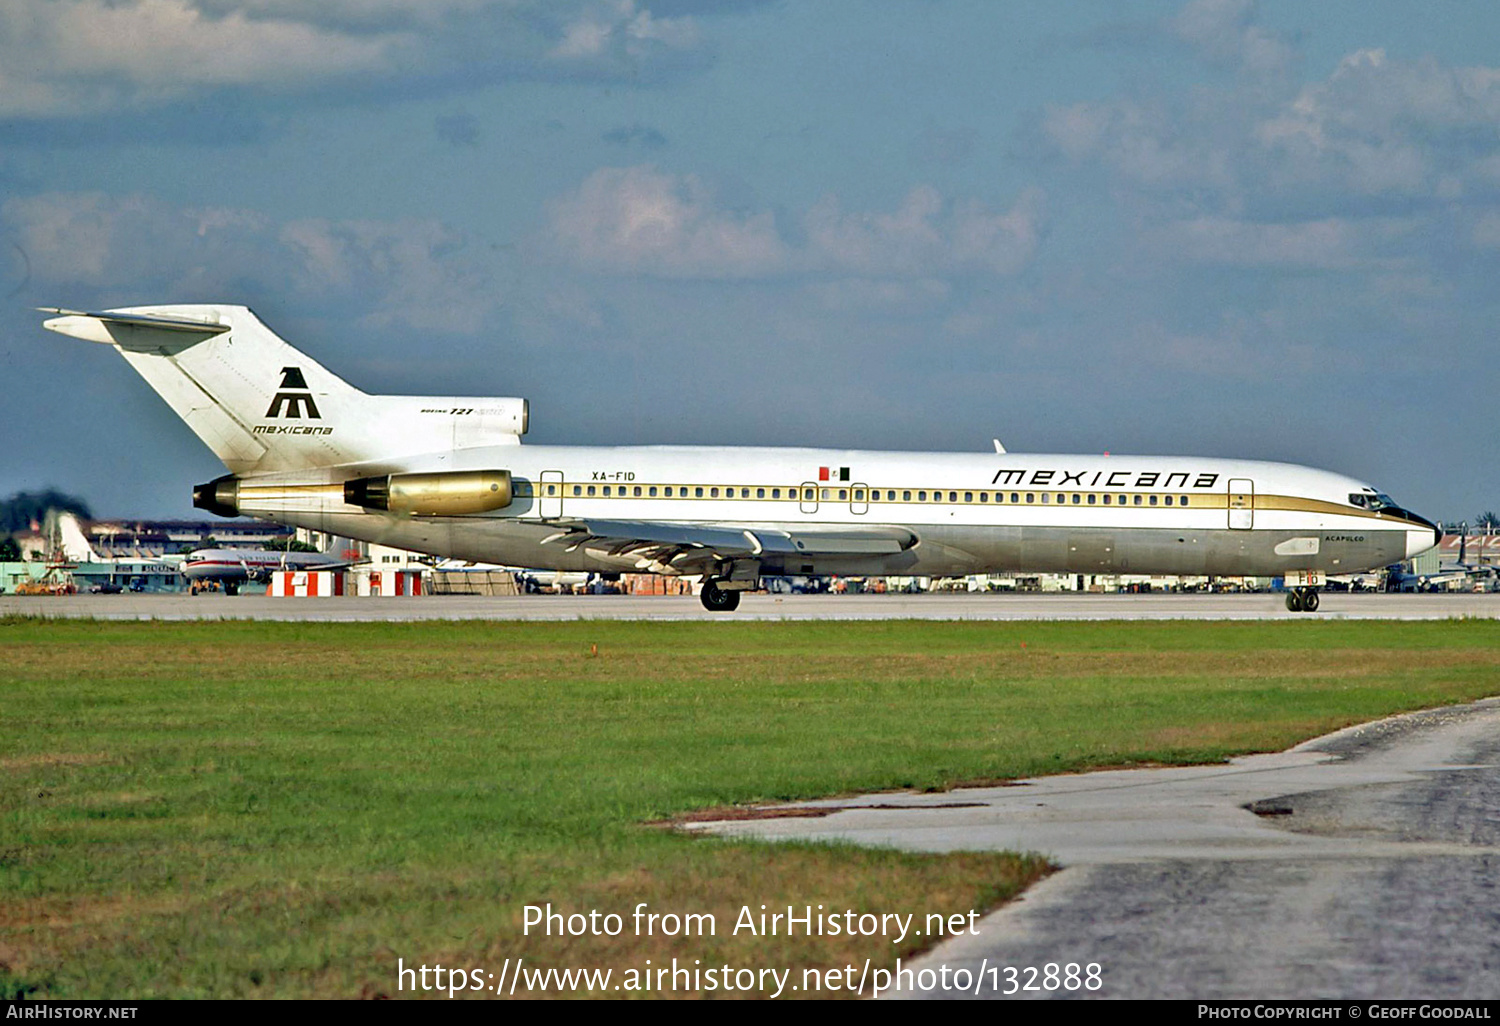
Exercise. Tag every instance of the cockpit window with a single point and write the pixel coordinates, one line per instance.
(1372, 500)
(1356, 499)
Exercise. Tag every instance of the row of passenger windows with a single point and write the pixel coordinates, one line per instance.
(866, 495)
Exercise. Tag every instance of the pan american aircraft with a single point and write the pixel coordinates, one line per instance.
(449, 476)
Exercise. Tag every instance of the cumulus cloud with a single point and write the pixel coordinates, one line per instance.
(1370, 166)
(67, 58)
(344, 14)
(1150, 145)
(642, 220)
(83, 56)
(1374, 127)
(1226, 31)
(639, 219)
(413, 269)
(139, 249)
(619, 28)
(923, 235)
(1381, 126)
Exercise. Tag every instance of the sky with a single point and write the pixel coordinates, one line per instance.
(1225, 228)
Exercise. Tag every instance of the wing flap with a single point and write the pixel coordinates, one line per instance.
(849, 541)
(663, 542)
(624, 535)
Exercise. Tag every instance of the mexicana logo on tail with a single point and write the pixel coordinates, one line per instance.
(293, 402)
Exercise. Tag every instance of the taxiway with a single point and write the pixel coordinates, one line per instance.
(1358, 865)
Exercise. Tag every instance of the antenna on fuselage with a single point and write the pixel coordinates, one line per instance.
(998, 447)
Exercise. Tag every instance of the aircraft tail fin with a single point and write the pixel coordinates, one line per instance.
(72, 541)
(264, 407)
(345, 550)
(258, 403)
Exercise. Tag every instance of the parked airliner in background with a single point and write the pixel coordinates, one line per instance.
(1459, 572)
(231, 568)
(448, 476)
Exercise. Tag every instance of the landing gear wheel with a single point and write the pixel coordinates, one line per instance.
(1294, 601)
(1310, 602)
(718, 600)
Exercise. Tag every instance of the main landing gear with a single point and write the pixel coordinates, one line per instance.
(717, 599)
(1302, 600)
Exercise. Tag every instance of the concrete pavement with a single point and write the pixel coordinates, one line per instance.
(1365, 864)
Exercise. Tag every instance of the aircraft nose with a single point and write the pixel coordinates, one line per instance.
(1420, 539)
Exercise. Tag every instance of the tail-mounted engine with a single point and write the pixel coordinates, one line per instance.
(221, 496)
(444, 494)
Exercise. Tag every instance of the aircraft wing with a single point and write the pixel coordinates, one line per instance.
(681, 546)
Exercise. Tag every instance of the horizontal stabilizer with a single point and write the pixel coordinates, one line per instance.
(128, 329)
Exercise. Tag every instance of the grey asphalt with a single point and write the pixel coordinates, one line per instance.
(1003, 606)
(1365, 864)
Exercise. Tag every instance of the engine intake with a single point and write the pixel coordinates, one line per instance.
(449, 494)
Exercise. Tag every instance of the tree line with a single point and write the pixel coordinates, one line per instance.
(1485, 523)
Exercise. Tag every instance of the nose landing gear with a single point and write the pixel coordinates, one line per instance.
(1302, 600)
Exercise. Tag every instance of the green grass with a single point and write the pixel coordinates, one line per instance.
(238, 809)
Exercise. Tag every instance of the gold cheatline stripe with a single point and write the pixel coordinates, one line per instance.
(1294, 502)
(1198, 500)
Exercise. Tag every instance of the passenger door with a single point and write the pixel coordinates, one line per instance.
(549, 498)
(809, 496)
(1241, 504)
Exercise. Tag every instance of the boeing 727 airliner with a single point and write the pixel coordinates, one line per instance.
(449, 476)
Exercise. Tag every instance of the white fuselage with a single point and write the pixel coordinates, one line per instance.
(960, 513)
(239, 565)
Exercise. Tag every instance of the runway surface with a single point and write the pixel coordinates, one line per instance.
(1365, 864)
(754, 607)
